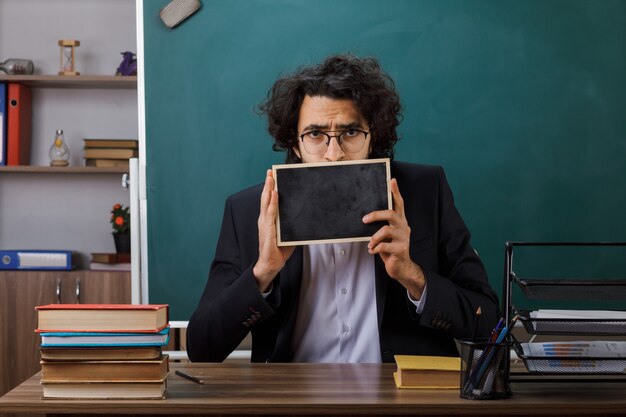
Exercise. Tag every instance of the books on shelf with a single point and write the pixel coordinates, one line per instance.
(107, 163)
(110, 262)
(109, 153)
(427, 372)
(37, 259)
(114, 353)
(105, 371)
(110, 258)
(98, 339)
(111, 143)
(102, 317)
(104, 390)
(103, 266)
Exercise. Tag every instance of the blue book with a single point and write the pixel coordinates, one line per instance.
(37, 259)
(93, 339)
(3, 123)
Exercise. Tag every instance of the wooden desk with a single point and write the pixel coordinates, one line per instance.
(242, 388)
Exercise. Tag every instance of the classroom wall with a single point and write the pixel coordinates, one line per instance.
(522, 102)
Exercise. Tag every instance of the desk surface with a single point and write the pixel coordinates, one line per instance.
(242, 388)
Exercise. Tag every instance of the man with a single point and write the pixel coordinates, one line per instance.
(412, 289)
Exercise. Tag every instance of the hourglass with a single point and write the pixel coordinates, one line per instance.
(67, 57)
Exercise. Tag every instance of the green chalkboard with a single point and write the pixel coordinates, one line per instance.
(522, 102)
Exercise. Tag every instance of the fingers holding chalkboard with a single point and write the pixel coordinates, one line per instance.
(271, 257)
(392, 242)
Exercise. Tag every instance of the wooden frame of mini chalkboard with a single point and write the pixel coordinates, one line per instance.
(325, 202)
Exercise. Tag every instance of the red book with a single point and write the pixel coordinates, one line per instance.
(19, 100)
(102, 317)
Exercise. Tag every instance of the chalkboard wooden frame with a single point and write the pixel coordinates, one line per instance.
(325, 202)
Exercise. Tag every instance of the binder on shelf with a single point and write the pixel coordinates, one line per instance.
(3, 123)
(19, 110)
(37, 259)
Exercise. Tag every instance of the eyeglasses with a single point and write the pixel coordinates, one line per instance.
(316, 141)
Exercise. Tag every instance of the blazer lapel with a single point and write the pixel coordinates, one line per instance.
(290, 281)
(381, 287)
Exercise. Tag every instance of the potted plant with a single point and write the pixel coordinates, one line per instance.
(120, 220)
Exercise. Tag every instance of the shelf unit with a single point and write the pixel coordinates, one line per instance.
(30, 178)
(74, 81)
(43, 207)
(32, 169)
(563, 367)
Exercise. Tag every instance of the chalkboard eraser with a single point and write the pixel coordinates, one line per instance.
(177, 11)
(325, 202)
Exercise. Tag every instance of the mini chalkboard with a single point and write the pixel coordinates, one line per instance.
(325, 202)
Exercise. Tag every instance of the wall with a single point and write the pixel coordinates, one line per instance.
(522, 103)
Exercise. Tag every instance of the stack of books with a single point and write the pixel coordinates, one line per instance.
(109, 152)
(110, 262)
(103, 351)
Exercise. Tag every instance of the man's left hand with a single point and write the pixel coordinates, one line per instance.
(392, 242)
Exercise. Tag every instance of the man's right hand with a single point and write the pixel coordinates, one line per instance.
(272, 258)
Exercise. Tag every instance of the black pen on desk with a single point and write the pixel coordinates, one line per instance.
(189, 377)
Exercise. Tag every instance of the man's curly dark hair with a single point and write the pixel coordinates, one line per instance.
(339, 77)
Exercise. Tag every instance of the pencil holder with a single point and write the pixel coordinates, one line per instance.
(484, 370)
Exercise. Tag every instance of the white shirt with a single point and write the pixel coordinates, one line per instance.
(337, 319)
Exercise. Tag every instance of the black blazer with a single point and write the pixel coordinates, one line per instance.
(231, 305)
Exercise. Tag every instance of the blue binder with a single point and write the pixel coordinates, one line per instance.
(3, 123)
(37, 259)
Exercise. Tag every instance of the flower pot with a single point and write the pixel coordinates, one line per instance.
(122, 242)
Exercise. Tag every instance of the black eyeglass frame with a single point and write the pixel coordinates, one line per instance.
(338, 137)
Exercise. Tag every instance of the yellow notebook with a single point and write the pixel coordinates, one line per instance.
(428, 372)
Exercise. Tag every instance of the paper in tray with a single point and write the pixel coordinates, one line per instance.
(534, 323)
(575, 357)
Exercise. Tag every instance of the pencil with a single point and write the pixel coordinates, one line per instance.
(189, 377)
(476, 321)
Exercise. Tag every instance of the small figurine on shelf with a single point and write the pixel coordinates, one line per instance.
(59, 152)
(17, 66)
(128, 66)
(68, 65)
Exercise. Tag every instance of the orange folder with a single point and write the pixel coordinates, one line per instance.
(19, 111)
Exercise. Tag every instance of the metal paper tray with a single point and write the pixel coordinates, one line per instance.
(575, 290)
(573, 365)
(572, 327)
